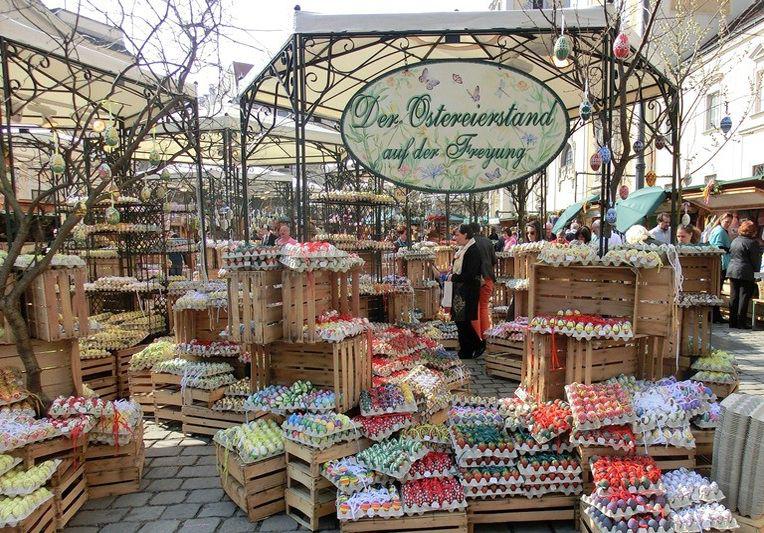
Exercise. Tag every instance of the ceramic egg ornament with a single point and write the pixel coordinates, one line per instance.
(161, 190)
(595, 161)
(638, 146)
(562, 47)
(585, 109)
(111, 136)
(104, 171)
(112, 216)
(660, 142)
(57, 163)
(726, 124)
(155, 157)
(605, 154)
(621, 47)
(145, 193)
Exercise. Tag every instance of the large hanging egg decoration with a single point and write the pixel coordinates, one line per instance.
(145, 193)
(595, 161)
(160, 191)
(585, 109)
(155, 157)
(611, 216)
(621, 48)
(104, 171)
(562, 47)
(605, 154)
(638, 146)
(57, 163)
(111, 136)
(165, 175)
(660, 142)
(726, 124)
(650, 178)
(112, 216)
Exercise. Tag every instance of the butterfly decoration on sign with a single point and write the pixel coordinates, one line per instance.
(475, 94)
(457, 79)
(501, 91)
(428, 82)
(493, 176)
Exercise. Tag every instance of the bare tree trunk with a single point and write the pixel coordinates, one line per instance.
(12, 310)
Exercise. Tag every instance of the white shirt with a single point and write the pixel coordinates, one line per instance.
(660, 235)
(613, 240)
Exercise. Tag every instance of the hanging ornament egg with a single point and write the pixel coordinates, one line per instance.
(623, 192)
(605, 154)
(112, 215)
(726, 124)
(111, 136)
(155, 157)
(595, 161)
(562, 47)
(638, 146)
(104, 171)
(621, 48)
(650, 178)
(146, 193)
(611, 216)
(57, 163)
(660, 142)
(165, 175)
(585, 109)
(81, 208)
(224, 224)
(685, 220)
(160, 191)
(99, 125)
(80, 233)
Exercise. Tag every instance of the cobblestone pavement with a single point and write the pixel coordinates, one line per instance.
(181, 490)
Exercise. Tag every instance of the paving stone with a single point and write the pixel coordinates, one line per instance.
(169, 497)
(279, 522)
(177, 460)
(162, 472)
(237, 524)
(82, 529)
(136, 499)
(224, 509)
(166, 443)
(121, 527)
(96, 518)
(205, 496)
(100, 503)
(144, 514)
(203, 459)
(198, 471)
(181, 510)
(201, 483)
(160, 526)
(159, 485)
(200, 525)
(162, 452)
(198, 450)
(188, 441)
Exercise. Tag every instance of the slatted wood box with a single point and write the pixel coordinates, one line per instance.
(141, 390)
(344, 367)
(440, 522)
(201, 420)
(399, 307)
(694, 324)
(42, 520)
(100, 375)
(57, 448)
(203, 325)
(257, 488)
(548, 508)
(428, 301)
(56, 298)
(69, 489)
(170, 397)
(112, 470)
(257, 316)
(122, 358)
(504, 358)
(701, 273)
(59, 361)
(505, 265)
(444, 258)
(419, 271)
(307, 295)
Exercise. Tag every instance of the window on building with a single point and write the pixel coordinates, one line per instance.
(712, 110)
(759, 103)
(707, 179)
(566, 159)
(758, 170)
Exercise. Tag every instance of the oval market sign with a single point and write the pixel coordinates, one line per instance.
(455, 126)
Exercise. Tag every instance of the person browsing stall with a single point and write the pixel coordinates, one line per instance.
(487, 265)
(745, 261)
(465, 276)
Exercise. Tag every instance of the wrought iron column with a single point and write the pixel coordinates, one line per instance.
(199, 193)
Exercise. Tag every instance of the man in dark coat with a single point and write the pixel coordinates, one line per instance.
(487, 269)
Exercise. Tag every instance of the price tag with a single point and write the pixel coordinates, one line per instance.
(521, 393)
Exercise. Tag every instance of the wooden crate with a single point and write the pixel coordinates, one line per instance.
(112, 470)
(372, 306)
(704, 450)
(56, 448)
(504, 358)
(306, 295)
(505, 266)
(141, 390)
(548, 508)
(399, 307)
(419, 271)
(440, 522)
(69, 490)
(204, 325)
(701, 273)
(598, 359)
(444, 258)
(100, 375)
(694, 325)
(56, 297)
(749, 525)
(344, 367)
(105, 266)
(654, 302)
(450, 344)
(200, 420)
(258, 488)
(314, 458)
(167, 398)
(122, 359)
(59, 362)
(524, 263)
(42, 520)
(257, 316)
(722, 390)
(428, 302)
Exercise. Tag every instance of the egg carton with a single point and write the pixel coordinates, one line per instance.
(370, 512)
(352, 428)
(405, 407)
(619, 514)
(382, 435)
(427, 474)
(468, 462)
(599, 424)
(703, 518)
(600, 441)
(653, 489)
(529, 470)
(528, 449)
(675, 422)
(473, 452)
(552, 479)
(16, 520)
(454, 505)
(492, 481)
(403, 469)
(24, 491)
(494, 491)
(534, 491)
(16, 461)
(325, 442)
(597, 517)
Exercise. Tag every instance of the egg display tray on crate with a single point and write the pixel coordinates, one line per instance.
(437, 522)
(111, 470)
(42, 520)
(62, 447)
(257, 488)
(515, 509)
(504, 358)
(722, 390)
(69, 489)
(100, 375)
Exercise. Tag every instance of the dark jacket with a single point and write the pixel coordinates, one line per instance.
(487, 257)
(269, 240)
(745, 258)
(467, 284)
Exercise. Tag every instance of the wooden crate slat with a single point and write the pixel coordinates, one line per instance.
(440, 522)
(42, 520)
(58, 377)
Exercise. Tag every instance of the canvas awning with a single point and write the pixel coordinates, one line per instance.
(638, 205)
(730, 199)
(572, 212)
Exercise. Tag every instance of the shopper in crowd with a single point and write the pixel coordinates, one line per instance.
(662, 231)
(561, 237)
(176, 259)
(548, 234)
(510, 239)
(533, 231)
(487, 279)
(720, 238)
(745, 260)
(684, 234)
(614, 238)
(494, 236)
(584, 235)
(284, 235)
(267, 236)
(466, 291)
(401, 241)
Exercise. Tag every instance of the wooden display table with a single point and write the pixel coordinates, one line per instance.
(439, 522)
(257, 488)
(513, 509)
